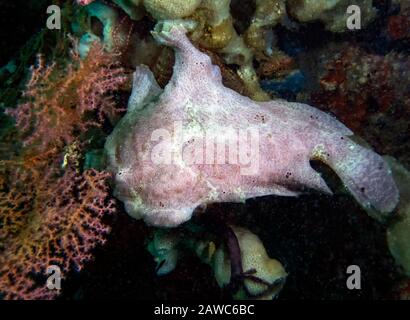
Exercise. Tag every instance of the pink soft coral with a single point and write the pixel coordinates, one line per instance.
(52, 221)
(58, 98)
(84, 2)
(52, 213)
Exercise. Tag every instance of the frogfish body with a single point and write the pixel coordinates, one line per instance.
(196, 142)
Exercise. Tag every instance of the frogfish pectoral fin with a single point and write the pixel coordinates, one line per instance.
(365, 174)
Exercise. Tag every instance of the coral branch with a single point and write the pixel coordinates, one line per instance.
(52, 223)
(58, 99)
(50, 212)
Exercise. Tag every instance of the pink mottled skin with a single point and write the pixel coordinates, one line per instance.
(290, 135)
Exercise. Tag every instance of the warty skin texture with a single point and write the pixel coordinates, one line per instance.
(195, 103)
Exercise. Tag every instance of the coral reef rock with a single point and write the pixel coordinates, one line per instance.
(332, 13)
(260, 277)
